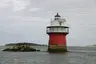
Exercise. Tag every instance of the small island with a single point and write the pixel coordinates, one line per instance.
(21, 47)
(91, 45)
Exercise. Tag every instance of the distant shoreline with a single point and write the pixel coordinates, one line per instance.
(25, 43)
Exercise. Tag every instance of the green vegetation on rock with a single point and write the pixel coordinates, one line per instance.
(24, 43)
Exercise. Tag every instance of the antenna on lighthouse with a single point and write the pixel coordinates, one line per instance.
(57, 16)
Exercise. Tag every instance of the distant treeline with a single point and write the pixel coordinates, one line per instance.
(24, 43)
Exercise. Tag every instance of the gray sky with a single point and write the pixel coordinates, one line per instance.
(26, 20)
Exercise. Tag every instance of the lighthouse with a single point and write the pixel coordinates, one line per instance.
(57, 32)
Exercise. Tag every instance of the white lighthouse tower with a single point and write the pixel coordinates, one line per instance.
(57, 32)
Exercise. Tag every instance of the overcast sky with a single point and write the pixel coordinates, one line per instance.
(26, 20)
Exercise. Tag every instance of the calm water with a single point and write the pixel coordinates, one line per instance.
(77, 55)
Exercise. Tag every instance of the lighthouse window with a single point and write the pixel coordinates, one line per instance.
(54, 29)
(57, 29)
(51, 29)
(67, 30)
(62, 29)
(48, 29)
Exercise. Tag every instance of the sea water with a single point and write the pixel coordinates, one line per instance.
(76, 55)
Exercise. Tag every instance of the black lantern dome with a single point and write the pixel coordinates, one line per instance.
(57, 15)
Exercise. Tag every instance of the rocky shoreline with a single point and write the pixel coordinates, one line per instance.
(21, 47)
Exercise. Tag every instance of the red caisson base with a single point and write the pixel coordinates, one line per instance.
(57, 42)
